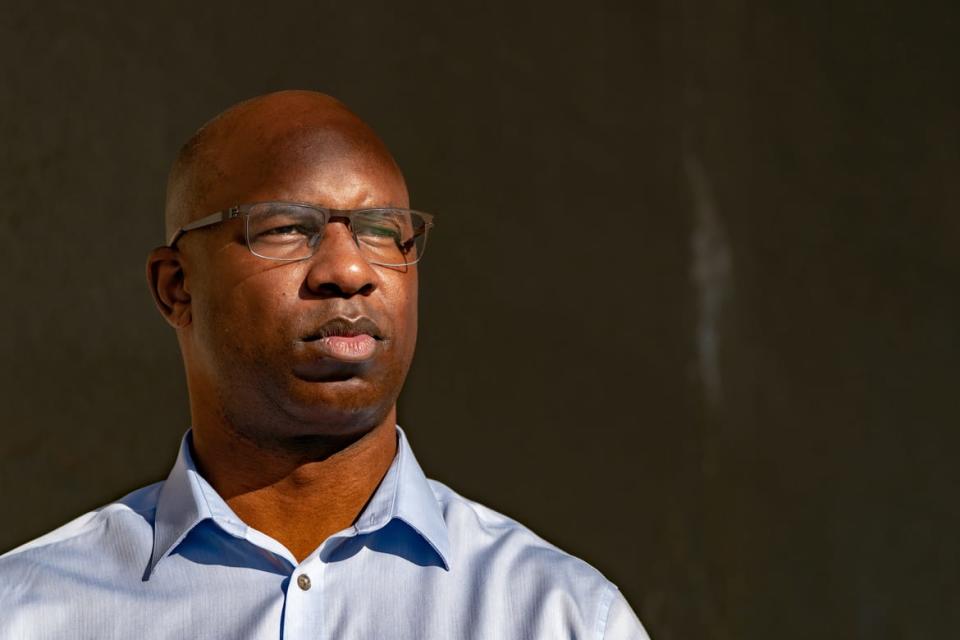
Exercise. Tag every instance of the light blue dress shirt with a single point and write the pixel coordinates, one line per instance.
(172, 560)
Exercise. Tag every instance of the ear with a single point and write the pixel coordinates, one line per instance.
(167, 283)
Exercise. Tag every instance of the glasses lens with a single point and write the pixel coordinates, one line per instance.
(283, 231)
(390, 237)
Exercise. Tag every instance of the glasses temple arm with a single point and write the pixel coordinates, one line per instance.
(211, 219)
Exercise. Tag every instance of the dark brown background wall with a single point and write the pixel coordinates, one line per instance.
(690, 311)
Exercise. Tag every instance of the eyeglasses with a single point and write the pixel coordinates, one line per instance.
(291, 231)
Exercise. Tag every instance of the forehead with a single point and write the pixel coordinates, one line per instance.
(324, 166)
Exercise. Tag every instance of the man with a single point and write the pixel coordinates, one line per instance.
(296, 508)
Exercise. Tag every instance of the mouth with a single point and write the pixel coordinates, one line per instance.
(345, 340)
(345, 328)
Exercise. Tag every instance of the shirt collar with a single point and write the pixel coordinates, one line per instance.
(405, 494)
(186, 499)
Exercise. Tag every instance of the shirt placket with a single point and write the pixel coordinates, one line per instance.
(303, 608)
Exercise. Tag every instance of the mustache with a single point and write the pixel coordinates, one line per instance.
(345, 327)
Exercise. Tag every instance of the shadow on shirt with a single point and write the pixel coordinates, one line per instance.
(208, 544)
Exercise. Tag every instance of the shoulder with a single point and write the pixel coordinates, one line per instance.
(82, 545)
(482, 528)
(139, 505)
(534, 574)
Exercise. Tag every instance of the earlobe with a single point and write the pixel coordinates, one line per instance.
(165, 277)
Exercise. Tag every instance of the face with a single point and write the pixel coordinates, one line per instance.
(253, 346)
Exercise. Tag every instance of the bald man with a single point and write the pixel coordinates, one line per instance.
(296, 508)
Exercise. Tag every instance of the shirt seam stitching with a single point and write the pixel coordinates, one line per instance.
(96, 522)
(604, 611)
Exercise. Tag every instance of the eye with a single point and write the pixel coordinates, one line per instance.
(379, 232)
(284, 231)
(289, 229)
(382, 228)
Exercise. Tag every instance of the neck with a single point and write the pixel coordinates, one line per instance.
(299, 495)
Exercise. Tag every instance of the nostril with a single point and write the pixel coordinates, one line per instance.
(334, 290)
(330, 290)
(366, 289)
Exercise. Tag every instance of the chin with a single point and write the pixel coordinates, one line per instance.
(344, 407)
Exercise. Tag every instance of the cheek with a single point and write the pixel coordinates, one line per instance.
(261, 305)
(412, 311)
(407, 313)
(241, 320)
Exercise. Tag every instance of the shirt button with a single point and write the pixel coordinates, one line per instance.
(303, 581)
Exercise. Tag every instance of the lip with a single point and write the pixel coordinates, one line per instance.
(355, 348)
(342, 339)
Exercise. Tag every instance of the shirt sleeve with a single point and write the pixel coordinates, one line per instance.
(622, 623)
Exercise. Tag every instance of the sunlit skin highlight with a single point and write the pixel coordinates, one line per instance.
(294, 432)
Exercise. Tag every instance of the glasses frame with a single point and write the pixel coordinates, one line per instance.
(331, 215)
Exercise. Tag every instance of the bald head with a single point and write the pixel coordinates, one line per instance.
(260, 145)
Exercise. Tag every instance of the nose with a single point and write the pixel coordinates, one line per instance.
(338, 269)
